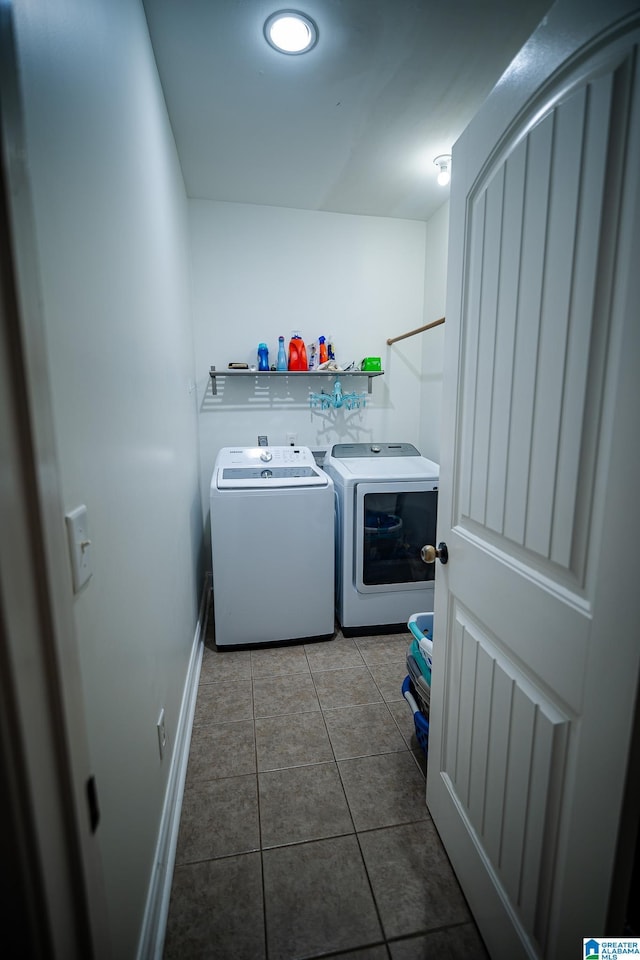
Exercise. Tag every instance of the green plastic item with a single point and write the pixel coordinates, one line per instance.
(371, 363)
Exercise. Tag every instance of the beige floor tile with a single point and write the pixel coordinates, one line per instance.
(222, 750)
(274, 696)
(384, 791)
(302, 803)
(225, 701)
(345, 687)
(219, 818)
(292, 740)
(317, 899)
(403, 716)
(279, 661)
(455, 943)
(386, 648)
(414, 885)
(216, 910)
(388, 677)
(224, 665)
(363, 731)
(333, 654)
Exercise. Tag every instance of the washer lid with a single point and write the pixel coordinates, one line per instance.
(343, 451)
(352, 462)
(387, 469)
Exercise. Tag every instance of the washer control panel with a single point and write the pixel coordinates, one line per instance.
(266, 473)
(342, 451)
(267, 467)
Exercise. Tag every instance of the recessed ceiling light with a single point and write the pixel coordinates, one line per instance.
(289, 31)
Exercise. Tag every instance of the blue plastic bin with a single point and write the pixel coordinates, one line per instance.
(420, 722)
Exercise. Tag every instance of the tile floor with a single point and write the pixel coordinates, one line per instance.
(304, 830)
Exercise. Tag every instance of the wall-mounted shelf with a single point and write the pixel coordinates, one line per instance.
(310, 375)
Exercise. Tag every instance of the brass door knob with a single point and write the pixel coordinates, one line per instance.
(428, 553)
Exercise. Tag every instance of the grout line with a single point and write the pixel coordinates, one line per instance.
(371, 890)
(260, 843)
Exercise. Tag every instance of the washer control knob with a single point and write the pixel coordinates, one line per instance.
(266, 474)
(376, 449)
(266, 455)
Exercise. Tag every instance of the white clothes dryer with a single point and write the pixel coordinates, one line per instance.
(386, 511)
(272, 546)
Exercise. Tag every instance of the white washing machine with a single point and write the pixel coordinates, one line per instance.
(272, 546)
(386, 511)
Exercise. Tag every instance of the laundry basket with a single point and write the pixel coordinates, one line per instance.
(416, 688)
(421, 626)
(419, 657)
(420, 721)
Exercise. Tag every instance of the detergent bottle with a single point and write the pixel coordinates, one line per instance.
(297, 353)
(263, 356)
(281, 363)
(323, 356)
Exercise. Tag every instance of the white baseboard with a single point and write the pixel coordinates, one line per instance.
(151, 942)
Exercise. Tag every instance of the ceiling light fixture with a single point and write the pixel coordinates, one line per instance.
(289, 31)
(443, 162)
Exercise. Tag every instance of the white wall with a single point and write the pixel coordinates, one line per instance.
(258, 272)
(111, 226)
(432, 341)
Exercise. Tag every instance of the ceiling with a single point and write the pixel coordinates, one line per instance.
(352, 126)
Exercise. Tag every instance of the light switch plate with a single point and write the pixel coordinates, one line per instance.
(79, 546)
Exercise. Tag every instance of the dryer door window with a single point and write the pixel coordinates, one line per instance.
(394, 521)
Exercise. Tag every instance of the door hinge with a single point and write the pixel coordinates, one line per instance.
(92, 802)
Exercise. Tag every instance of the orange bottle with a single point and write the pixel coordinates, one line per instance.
(323, 355)
(297, 353)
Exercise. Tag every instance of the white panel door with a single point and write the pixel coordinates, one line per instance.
(537, 648)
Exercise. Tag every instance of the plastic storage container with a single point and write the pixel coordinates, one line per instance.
(371, 363)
